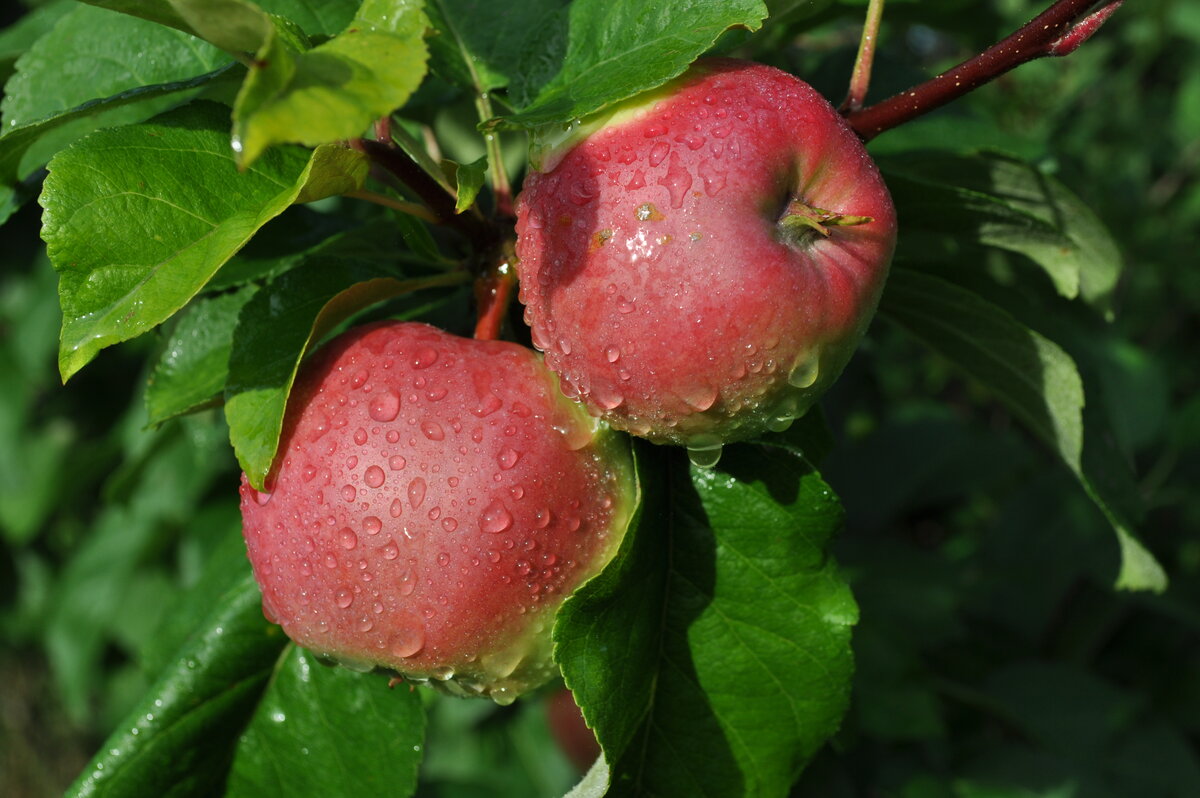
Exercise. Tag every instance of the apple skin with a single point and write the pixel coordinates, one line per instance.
(656, 275)
(434, 501)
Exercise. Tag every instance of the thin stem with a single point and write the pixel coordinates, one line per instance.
(501, 188)
(860, 79)
(1057, 31)
(439, 202)
(411, 208)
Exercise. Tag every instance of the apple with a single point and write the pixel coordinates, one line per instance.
(434, 501)
(699, 264)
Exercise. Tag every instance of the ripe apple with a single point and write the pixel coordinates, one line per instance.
(434, 501)
(699, 264)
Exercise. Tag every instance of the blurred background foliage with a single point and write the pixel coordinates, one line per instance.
(994, 657)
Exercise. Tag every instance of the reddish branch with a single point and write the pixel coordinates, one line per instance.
(493, 293)
(1058, 31)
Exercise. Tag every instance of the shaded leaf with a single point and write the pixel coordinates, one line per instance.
(1034, 378)
(327, 731)
(1001, 201)
(194, 364)
(713, 657)
(480, 44)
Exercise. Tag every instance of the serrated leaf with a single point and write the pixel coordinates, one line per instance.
(91, 54)
(1032, 376)
(1000, 201)
(180, 739)
(326, 731)
(479, 44)
(713, 658)
(191, 372)
(614, 49)
(138, 219)
(335, 90)
(275, 330)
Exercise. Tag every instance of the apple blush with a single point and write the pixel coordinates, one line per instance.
(699, 264)
(433, 502)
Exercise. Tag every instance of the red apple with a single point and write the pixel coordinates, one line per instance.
(699, 264)
(434, 501)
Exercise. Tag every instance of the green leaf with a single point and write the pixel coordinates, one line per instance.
(327, 731)
(180, 739)
(479, 44)
(20, 36)
(1033, 377)
(138, 219)
(712, 658)
(275, 330)
(91, 54)
(194, 364)
(469, 178)
(614, 49)
(337, 89)
(1003, 202)
(235, 25)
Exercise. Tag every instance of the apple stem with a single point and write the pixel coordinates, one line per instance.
(860, 79)
(800, 223)
(438, 201)
(1057, 31)
(493, 293)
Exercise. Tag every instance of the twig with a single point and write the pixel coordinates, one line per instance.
(1058, 31)
(439, 202)
(860, 79)
(411, 208)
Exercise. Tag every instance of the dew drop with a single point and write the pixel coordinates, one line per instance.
(416, 492)
(613, 354)
(261, 498)
(344, 598)
(495, 518)
(704, 456)
(805, 372)
(508, 457)
(391, 551)
(365, 624)
(433, 430)
(396, 508)
(699, 397)
(488, 405)
(425, 357)
(374, 477)
(397, 463)
(308, 473)
(349, 492)
(658, 153)
(360, 436)
(409, 640)
(542, 519)
(449, 524)
(347, 538)
(677, 182)
(372, 525)
(393, 436)
(385, 406)
(443, 559)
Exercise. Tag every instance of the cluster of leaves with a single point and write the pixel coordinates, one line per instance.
(198, 185)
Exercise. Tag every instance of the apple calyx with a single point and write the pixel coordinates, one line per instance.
(800, 223)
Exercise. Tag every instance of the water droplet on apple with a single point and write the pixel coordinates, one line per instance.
(416, 492)
(397, 463)
(433, 430)
(372, 525)
(425, 357)
(349, 492)
(344, 597)
(805, 372)
(658, 153)
(704, 452)
(347, 538)
(384, 407)
(409, 639)
(508, 457)
(495, 518)
(374, 477)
